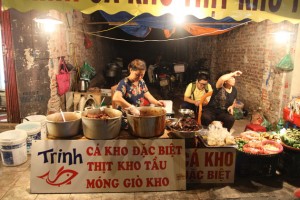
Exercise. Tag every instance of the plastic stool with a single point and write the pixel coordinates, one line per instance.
(255, 127)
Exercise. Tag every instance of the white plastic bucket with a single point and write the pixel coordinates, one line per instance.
(33, 130)
(13, 147)
(42, 120)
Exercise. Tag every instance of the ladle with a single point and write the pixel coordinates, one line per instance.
(101, 104)
(62, 114)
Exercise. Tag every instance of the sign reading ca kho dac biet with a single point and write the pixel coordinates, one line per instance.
(84, 166)
(210, 165)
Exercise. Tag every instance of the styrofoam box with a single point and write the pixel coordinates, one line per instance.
(169, 105)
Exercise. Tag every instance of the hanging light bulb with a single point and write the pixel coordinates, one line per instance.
(47, 20)
(282, 36)
(48, 23)
(179, 19)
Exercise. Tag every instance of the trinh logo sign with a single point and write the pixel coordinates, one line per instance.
(63, 176)
(73, 166)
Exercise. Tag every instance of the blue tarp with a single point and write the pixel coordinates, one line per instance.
(147, 21)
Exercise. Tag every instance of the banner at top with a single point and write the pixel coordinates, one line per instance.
(257, 10)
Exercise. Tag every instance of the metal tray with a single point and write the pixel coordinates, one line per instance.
(224, 146)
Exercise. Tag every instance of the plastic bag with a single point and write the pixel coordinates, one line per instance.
(238, 113)
(63, 78)
(87, 71)
(286, 63)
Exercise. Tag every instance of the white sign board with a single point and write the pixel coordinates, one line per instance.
(83, 166)
(210, 165)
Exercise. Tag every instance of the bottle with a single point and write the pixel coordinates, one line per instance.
(280, 125)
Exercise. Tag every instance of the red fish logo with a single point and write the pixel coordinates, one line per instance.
(62, 177)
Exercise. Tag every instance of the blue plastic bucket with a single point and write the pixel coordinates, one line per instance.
(42, 120)
(33, 130)
(13, 147)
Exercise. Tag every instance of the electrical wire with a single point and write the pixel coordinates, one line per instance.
(115, 26)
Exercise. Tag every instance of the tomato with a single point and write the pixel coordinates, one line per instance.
(297, 193)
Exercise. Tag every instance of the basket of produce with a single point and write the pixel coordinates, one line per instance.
(258, 153)
(290, 160)
(265, 147)
(291, 139)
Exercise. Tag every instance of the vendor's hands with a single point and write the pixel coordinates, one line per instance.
(230, 110)
(134, 111)
(197, 103)
(161, 103)
(237, 73)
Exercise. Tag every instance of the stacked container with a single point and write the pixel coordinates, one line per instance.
(33, 130)
(13, 147)
(42, 120)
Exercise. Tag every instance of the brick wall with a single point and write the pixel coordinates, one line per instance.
(36, 50)
(252, 50)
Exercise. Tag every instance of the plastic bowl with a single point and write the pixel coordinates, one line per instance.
(272, 147)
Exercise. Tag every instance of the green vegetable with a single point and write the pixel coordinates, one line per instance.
(292, 138)
(240, 144)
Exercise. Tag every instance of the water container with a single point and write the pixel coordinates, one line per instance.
(42, 120)
(13, 147)
(33, 130)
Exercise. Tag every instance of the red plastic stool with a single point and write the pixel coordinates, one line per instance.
(255, 127)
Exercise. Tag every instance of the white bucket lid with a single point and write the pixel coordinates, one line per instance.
(30, 127)
(12, 137)
(35, 118)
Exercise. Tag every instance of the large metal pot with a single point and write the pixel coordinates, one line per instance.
(57, 128)
(101, 129)
(112, 70)
(151, 122)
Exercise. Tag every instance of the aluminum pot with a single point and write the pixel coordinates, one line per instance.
(57, 128)
(151, 122)
(101, 129)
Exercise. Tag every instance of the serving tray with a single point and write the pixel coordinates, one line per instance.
(204, 141)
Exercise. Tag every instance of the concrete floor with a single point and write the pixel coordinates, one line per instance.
(15, 184)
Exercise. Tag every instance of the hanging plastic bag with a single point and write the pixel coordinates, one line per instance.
(87, 71)
(286, 63)
(63, 78)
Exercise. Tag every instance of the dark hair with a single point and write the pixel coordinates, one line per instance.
(137, 64)
(202, 76)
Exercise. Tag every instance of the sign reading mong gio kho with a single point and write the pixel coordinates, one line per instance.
(77, 166)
